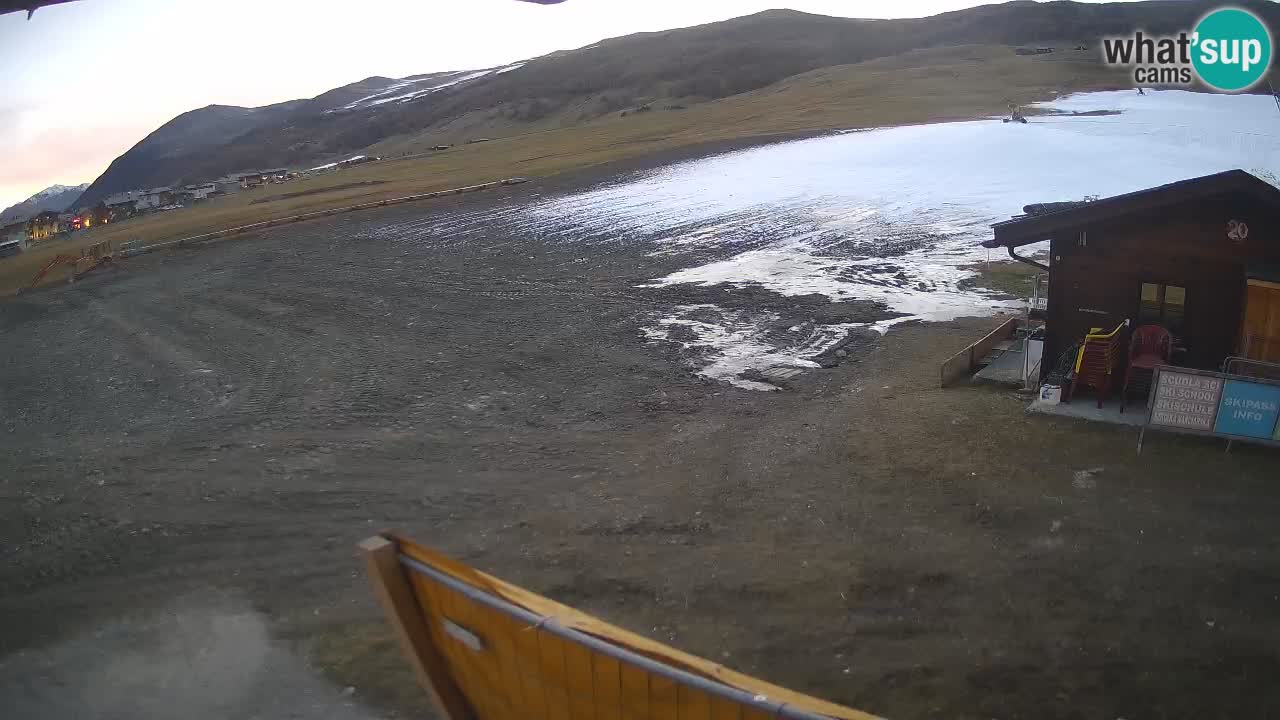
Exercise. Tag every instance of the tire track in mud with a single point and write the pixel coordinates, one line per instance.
(255, 369)
(453, 367)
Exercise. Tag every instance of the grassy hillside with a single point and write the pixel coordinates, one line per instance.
(943, 84)
(686, 67)
(727, 58)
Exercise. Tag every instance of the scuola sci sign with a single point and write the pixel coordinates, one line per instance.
(1200, 402)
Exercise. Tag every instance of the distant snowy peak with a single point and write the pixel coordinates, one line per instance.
(56, 190)
(54, 197)
(412, 88)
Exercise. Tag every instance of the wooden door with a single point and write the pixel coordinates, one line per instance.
(1260, 335)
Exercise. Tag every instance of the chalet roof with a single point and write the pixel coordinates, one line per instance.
(1027, 229)
(8, 6)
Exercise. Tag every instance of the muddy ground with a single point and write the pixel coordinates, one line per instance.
(194, 442)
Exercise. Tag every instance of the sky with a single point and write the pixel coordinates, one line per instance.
(82, 82)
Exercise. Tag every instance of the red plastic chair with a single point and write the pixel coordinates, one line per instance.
(1151, 345)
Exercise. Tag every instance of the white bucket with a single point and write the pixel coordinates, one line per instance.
(1050, 394)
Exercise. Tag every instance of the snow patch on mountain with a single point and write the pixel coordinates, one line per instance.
(55, 197)
(407, 89)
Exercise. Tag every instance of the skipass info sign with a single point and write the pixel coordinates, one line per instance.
(1208, 403)
(1248, 409)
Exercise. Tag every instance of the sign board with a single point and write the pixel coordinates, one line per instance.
(1248, 409)
(1183, 400)
(1237, 230)
(1199, 402)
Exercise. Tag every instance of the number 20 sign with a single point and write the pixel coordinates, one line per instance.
(1237, 230)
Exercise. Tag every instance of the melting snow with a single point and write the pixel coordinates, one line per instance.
(737, 335)
(336, 163)
(424, 91)
(388, 89)
(389, 94)
(891, 214)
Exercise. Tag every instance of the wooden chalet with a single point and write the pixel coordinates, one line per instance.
(1199, 257)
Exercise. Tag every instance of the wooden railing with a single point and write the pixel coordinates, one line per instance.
(965, 362)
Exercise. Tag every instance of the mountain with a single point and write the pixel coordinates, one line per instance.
(55, 197)
(687, 65)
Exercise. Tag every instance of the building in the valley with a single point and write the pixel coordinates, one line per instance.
(1199, 257)
(195, 193)
(13, 238)
(262, 177)
(121, 205)
(102, 214)
(44, 226)
(154, 198)
(87, 217)
(229, 184)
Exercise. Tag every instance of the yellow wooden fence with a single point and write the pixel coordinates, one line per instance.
(488, 650)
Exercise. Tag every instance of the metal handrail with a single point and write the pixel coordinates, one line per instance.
(535, 620)
(1230, 366)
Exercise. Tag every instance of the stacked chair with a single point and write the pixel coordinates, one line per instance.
(1098, 362)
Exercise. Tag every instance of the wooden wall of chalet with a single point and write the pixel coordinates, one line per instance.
(1186, 246)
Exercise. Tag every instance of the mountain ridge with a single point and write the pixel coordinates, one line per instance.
(57, 198)
(679, 67)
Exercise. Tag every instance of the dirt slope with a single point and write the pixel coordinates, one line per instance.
(224, 424)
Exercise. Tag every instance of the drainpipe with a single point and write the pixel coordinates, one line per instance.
(1026, 341)
(1028, 261)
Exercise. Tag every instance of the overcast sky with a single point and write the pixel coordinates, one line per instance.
(82, 82)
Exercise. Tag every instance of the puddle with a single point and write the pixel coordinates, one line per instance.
(196, 659)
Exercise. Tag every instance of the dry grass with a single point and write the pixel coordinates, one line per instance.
(922, 86)
(1006, 276)
(367, 657)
